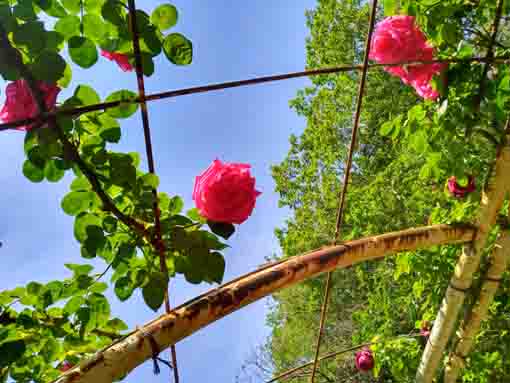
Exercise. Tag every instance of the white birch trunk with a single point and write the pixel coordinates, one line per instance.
(469, 261)
(471, 326)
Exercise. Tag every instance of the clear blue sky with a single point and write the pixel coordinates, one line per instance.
(232, 40)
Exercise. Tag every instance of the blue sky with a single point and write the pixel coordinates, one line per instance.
(243, 125)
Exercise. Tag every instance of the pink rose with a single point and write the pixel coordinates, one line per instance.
(120, 58)
(364, 360)
(460, 191)
(65, 366)
(225, 192)
(398, 39)
(425, 329)
(20, 104)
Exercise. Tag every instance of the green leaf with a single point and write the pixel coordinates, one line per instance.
(123, 288)
(51, 8)
(86, 95)
(94, 27)
(10, 352)
(175, 205)
(99, 287)
(150, 180)
(76, 202)
(116, 324)
(147, 64)
(82, 51)
(112, 11)
(178, 49)
(386, 128)
(32, 172)
(68, 26)
(65, 80)
(31, 36)
(110, 224)
(79, 269)
(215, 267)
(83, 222)
(99, 309)
(73, 304)
(53, 170)
(224, 230)
(24, 10)
(164, 17)
(419, 141)
(73, 6)
(127, 107)
(154, 291)
(390, 7)
(112, 134)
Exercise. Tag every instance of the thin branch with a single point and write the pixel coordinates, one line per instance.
(234, 84)
(345, 185)
(118, 359)
(159, 244)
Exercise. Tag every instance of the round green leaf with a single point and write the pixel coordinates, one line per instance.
(82, 51)
(125, 109)
(178, 49)
(73, 304)
(93, 26)
(68, 26)
(76, 202)
(53, 171)
(154, 291)
(82, 223)
(49, 67)
(123, 288)
(32, 172)
(86, 95)
(164, 17)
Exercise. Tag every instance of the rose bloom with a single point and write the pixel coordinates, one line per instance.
(120, 58)
(397, 39)
(20, 104)
(65, 366)
(460, 191)
(365, 360)
(225, 192)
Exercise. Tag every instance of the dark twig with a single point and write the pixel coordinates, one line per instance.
(346, 181)
(158, 240)
(234, 84)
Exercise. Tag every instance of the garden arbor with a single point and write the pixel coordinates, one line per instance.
(128, 351)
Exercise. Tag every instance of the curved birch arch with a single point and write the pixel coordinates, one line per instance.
(120, 358)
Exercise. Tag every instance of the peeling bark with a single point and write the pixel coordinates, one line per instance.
(468, 330)
(469, 261)
(118, 359)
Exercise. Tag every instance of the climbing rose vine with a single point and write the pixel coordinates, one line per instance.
(122, 60)
(397, 39)
(225, 192)
(20, 103)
